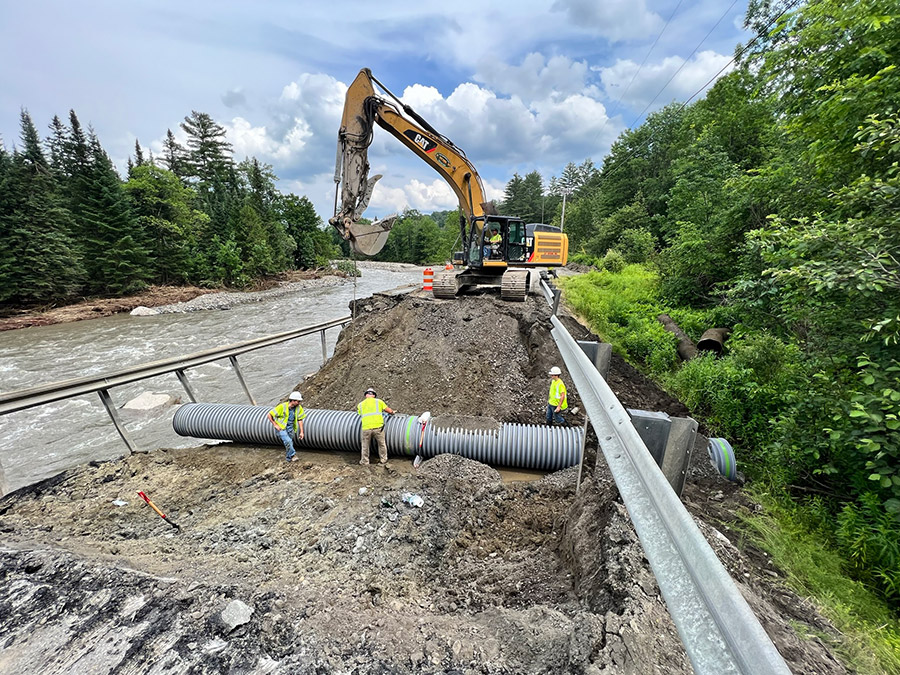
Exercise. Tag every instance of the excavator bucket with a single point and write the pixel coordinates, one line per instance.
(369, 238)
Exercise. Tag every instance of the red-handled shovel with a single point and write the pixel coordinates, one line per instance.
(161, 514)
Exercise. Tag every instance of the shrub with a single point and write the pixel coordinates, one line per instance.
(348, 267)
(636, 245)
(613, 261)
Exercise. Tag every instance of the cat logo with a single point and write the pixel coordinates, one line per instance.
(424, 143)
(442, 160)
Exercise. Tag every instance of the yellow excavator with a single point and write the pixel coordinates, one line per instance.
(496, 250)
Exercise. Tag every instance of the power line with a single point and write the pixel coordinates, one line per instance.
(684, 63)
(649, 51)
(740, 53)
(646, 56)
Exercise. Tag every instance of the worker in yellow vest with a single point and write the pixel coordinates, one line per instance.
(557, 401)
(287, 418)
(370, 411)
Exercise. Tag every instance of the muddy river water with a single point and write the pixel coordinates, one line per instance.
(40, 442)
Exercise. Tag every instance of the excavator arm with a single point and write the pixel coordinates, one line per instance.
(363, 108)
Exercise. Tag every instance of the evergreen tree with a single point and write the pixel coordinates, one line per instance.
(115, 252)
(38, 263)
(532, 196)
(303, 225)
(513, 197)
(174, 229)
(174, 155)
(138, 153)
(75, 157)
(209, 154)
(56, 146)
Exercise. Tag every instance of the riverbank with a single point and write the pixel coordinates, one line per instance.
(174, 299)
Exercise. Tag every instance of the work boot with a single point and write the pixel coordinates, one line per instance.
(364, 462)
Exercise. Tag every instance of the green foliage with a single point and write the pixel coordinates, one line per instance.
(870, 537)
(613, 261)
(37, 260)
(609, 231)
(419, 240)
(636, 245)
(741, 393)
(348, 267)
(173, 227)
(622, 308)
(523, 197)
(869, 633)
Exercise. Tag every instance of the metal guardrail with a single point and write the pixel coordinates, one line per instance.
(551, 295)
(719, 630)
(56, 391)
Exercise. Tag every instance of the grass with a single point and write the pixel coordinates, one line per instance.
(870, 641)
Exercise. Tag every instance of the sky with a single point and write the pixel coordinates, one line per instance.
(520, 86)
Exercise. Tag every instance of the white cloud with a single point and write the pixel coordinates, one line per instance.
(653, 77)
(536, 77)
(250, 141)
(391, 196)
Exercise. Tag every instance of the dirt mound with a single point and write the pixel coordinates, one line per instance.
(476, 356)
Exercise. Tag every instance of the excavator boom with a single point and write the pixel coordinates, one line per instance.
(363, 108)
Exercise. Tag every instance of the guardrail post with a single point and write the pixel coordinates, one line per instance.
(240, 377)
(324, 350)
(556, 295)
(111, 410)
(187, 385)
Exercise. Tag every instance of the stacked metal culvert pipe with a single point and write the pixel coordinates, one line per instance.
(516, 445)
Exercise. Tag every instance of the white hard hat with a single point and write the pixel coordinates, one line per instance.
(555, 370)
(295, 396)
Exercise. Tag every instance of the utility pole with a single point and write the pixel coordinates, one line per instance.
(562, 218)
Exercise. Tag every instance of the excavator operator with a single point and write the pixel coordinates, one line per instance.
(494, 240)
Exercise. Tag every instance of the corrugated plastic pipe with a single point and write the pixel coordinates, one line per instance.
(518, 445)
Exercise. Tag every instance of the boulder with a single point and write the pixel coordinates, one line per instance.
(236, 613)
(148, 400)
(143, 311)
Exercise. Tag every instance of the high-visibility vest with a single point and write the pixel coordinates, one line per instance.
(370, 411)
(557, 394)
(496, 239)
(281, 412)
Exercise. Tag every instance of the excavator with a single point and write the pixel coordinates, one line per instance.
(496, 250)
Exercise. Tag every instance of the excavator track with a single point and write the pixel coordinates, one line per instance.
(514, 285)
(445, 286)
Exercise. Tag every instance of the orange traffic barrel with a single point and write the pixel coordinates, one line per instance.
(448, 266)
(428, 279)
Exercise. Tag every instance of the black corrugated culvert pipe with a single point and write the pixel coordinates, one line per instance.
(517, 445)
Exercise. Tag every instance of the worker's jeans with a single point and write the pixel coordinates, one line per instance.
(366, 441)
(288, 441)
(553, 416)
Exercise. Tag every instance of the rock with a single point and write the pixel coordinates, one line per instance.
(236, 613)
(143, 311)
(4, 487)
(148, 400)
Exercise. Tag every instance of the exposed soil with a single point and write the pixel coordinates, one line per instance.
(490, 575)
(154, 296)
